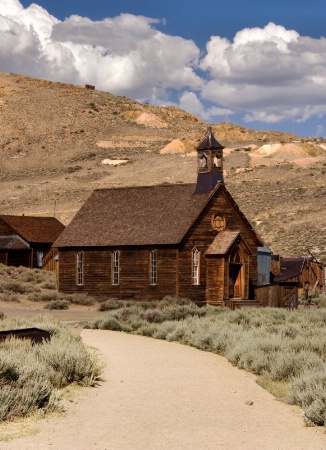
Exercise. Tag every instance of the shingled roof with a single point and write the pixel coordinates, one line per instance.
(13, 243)
(34, 229)
(223, 242)
(290, 268)
(152, 215)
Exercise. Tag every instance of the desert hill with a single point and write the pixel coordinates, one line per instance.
(59, 141)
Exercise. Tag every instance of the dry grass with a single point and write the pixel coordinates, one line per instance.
(32, 376)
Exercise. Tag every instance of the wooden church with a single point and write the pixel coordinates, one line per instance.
(183, 240)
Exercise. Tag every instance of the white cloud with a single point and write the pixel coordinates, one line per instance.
(191, 103)
(269, 74)
(320, 131)
(125, 55)
(265, 74)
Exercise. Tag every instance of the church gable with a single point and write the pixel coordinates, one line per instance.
(219, 214)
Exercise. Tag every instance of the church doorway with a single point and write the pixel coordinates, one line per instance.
(236, 275)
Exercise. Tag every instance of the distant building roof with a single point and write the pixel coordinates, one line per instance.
(290, 268)
(13, 243)
(34, 229)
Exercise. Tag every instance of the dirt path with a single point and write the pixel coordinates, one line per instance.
(161, 395)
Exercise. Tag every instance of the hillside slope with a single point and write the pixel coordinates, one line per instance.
(58, 142)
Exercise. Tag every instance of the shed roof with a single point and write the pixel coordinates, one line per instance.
(290, 268)
(150, 215)
(34, 229)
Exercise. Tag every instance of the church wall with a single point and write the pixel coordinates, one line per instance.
(134, 273)
(201, 235)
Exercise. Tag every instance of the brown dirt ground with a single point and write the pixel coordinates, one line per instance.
(161, 395)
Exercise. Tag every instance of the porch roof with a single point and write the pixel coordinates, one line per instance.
(223, 242)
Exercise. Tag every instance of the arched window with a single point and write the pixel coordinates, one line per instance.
(217, 161)
(195, 266)
(79, 269)
(203, 161)
(115, 267)
(153, 267)
(236, 257)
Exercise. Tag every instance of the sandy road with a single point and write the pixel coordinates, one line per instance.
(161, 395)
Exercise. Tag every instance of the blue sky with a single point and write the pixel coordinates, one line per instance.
(260, 64)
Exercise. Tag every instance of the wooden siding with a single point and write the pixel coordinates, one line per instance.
(312, 273)
(38, 248)
(134, 273)
(49, 262)
(274, 295)
(19, 258)
(202, 235)
(215, 288)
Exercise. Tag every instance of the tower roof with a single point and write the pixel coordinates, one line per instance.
(209, 141)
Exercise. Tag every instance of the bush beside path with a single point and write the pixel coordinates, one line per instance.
(163, 395)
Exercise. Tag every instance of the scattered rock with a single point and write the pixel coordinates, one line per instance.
(114, 162)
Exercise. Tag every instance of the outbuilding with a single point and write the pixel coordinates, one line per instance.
(25, 239)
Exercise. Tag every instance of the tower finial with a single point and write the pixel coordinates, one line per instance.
(210, 163)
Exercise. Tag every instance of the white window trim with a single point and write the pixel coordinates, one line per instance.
(115, 266)
(80, 268)
(195, 266)
(153, 267)
(39, 257)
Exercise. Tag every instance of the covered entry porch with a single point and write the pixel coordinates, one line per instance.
(227, 277)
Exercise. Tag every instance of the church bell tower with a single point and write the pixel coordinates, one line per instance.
(209, 164)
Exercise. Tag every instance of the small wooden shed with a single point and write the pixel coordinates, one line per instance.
(304, 272)
(25, 239)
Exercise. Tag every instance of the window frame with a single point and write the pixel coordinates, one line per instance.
(80, 268)
(153, 267)
(39, 258)
(195, 266)
(115, 267)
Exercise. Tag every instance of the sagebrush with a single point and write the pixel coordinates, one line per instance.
(32, 376)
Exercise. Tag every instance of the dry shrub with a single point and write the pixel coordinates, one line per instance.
(57, 304)
(309, 392)
(108, 305)
(10, 297)
(43, 296)
(17, 286)
(31, 376)
(48, 285)
(81, 299)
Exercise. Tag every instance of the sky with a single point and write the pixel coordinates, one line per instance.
(256, 63)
